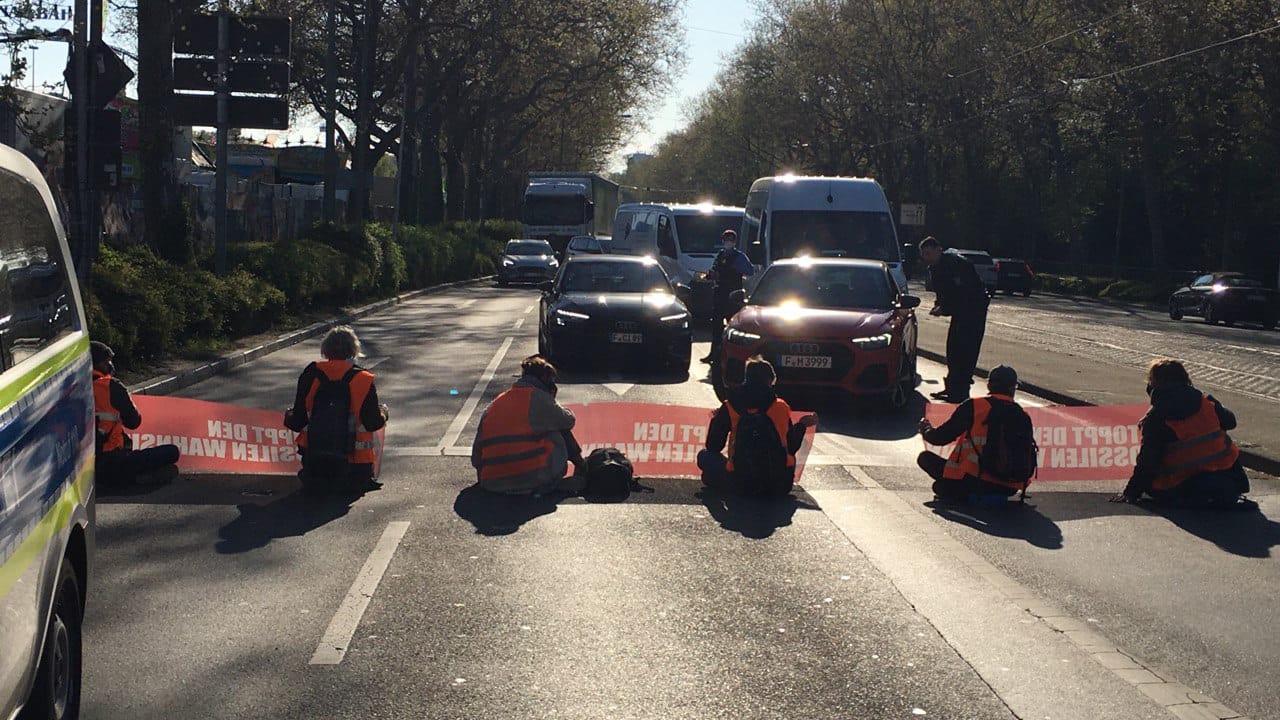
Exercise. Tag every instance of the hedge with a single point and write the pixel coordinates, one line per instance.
(148, 309)
(1132, 291)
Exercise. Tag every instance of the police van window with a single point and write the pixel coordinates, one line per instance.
(755, 248)
(666, 242)
(35, 283)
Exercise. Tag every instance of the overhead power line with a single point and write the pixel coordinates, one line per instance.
(1211, 46)
(717, 32)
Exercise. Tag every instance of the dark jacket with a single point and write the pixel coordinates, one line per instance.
(296, 419)
(1170, 402)
(129, 415)
(729, 270)
(958, 287)
(743, 399)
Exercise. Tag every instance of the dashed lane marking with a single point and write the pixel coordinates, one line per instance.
(517, 324)
(477, 394)
(466, 304)
(529, 309)
(337, 638)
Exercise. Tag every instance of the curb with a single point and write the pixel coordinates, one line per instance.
(1249, 458)
(191, 376)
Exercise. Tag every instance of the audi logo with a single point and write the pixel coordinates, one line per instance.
(805, 348)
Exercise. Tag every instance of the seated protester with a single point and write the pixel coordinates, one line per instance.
(117, 461)
(525, 441)
(763, 442)
(336, 412)
(971, 472)
(1187, 458)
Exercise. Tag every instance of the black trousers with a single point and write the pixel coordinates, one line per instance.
(124, 466)
(964, 343)
(957, 490)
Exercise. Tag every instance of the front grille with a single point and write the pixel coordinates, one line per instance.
(841, 360)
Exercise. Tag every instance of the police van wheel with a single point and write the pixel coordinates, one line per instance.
(56, 694)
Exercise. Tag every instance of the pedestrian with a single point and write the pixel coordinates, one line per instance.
(336, 413)
(968, 474)
(961, 295)
(762, 440)
(728, 271)
(525, 440)
(117, 462)
(1186, 458)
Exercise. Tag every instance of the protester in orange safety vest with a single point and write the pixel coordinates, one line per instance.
(1187, 458)
(336, 413)
(959, 477)
(114, 412)
(525, 441)
(754, 397)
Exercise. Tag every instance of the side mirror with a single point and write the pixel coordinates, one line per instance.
(546, 286)
(682, 291)
(908, 302)
(739, 297)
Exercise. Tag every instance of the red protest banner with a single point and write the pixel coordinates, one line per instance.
(660, 440)
(220, 438)
(1076, 443)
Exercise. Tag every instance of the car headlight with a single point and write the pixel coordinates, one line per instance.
(564, 317)
(678, 319)
(554, 262)
(508, 262)
(873, 343)
(740, 337)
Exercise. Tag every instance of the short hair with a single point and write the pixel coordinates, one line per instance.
(930, 242)
(100, 352)
(1167, 372)
(539, 367)
(758, 371)
(729, 235)
(340, 343)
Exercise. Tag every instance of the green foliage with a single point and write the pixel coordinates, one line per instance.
(1130, 291)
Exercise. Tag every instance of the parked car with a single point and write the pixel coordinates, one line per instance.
(1014, 276)
(983, 263)
(587, 245)
(620, 306)
(828, 323)
(1226, 297)
(530, 261)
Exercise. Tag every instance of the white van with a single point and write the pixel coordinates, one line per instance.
(790, 216)
(47, 433)
(683, 238)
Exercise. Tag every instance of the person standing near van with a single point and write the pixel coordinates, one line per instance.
(117, 462)
(730, 268)
(962, 296)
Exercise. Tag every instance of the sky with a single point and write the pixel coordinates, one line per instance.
(712, 29)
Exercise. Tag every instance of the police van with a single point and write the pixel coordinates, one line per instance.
(46, 453)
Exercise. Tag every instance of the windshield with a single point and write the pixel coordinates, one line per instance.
(613, 277)
(553, 210)
(528, 248)
(866, 235)
(701, 233)
(825, 287)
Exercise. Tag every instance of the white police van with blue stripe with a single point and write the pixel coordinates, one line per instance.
(46, 453)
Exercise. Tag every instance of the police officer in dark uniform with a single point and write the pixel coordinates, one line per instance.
(961, 295)
(731, 266)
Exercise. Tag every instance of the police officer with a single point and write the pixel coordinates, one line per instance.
(730, 268)
(962, 296)
(1186, 456)
(525, 441)
(340, 349)
(958, 478)
(117, 461)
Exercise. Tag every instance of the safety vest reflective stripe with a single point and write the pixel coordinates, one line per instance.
(110, 429)
(1192, 442)
(508, 445)
(779, 413)
(966, 458)
(1201, 446)
(108, 416)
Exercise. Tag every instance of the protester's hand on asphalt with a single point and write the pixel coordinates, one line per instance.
(810, 420)
(386, 411)
(1119, 498)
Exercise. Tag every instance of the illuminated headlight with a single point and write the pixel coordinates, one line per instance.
(873, 343)
(739, 337)
(508, 262)
(1219, 287)
(681, 318)
(564, 317)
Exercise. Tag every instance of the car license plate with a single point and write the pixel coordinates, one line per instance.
(807, 362)
(627, 338)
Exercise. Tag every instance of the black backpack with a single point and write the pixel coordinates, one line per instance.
(1011, 453)
(609, 476)
(331, 432)
(759, 457)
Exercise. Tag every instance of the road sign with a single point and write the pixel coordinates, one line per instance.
(256, 36)
(109, 74)
(912, 214)
(265, 113)
(246, 76)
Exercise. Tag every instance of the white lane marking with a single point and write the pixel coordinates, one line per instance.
(477, 393)
(337, 638)
(466, 304)
(518, 324)
(529, 309)
(1254, 350)
(619, 389)
(371, 363)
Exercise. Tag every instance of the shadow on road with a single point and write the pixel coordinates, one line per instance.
(293, 515)
(754, 518)
(494, 515)
(1019, 521)
(1247, 534)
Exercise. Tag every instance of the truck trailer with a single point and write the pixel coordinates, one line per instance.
(561, 205)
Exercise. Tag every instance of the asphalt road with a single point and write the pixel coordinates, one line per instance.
(853, 599)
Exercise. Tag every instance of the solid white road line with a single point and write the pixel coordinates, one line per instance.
(517, 324)
(371, 363)
(466, 304)
(333, 646)
(477, 393)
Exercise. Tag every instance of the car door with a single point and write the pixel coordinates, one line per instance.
(1200, 290)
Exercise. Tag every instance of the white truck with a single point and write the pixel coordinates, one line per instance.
(562, 205)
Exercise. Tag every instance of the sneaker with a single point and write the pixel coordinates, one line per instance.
(1244, 504)
(706, 360)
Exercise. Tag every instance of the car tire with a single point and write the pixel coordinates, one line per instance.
(503, 283)
(1026, 293)
(1175, 312)
(56, 694)
(1207, 312)
(1009, 293)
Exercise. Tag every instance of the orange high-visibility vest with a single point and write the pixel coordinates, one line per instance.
(779, 413)
(110, 428)
(1202, 446)
(364, 451)
(509, 447)
(966, 457)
